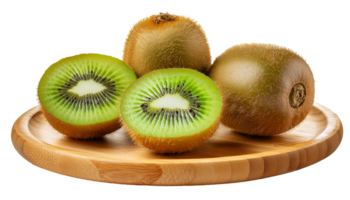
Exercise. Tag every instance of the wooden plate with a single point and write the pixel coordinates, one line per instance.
(227, 157)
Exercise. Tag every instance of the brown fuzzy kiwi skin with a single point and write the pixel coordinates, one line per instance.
(173, 145)
(255, 81)
(172, 42)
(84, 132)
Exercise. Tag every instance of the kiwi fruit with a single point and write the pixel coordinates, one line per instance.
(80, 95)
(266, 89)
(166, 41)
(171, 110)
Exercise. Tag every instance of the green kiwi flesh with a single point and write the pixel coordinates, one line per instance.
(266, 89)
(171, 103)
(84, 89)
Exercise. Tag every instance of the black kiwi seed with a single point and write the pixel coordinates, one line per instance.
(175, 114)
(101, 96)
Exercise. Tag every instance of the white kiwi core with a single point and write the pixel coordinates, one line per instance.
(171, 101)
(87, 87)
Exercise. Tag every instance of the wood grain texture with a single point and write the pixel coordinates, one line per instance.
(227, 157)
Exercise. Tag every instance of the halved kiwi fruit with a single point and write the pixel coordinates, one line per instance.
(171, 110)
(80, 95)
(166, 41)
(266, 89)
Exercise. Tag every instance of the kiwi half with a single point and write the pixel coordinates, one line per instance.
(266, 89)
(171, 110)
(166, 41)
(80, 95)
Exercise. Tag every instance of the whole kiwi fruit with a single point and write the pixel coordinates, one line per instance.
(267, 89)
(171, 110)
(80, 95)
(166, 41)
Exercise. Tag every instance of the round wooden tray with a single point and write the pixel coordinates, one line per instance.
(227, 157)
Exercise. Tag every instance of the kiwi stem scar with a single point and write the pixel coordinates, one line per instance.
(297, 95)
(163, 17)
